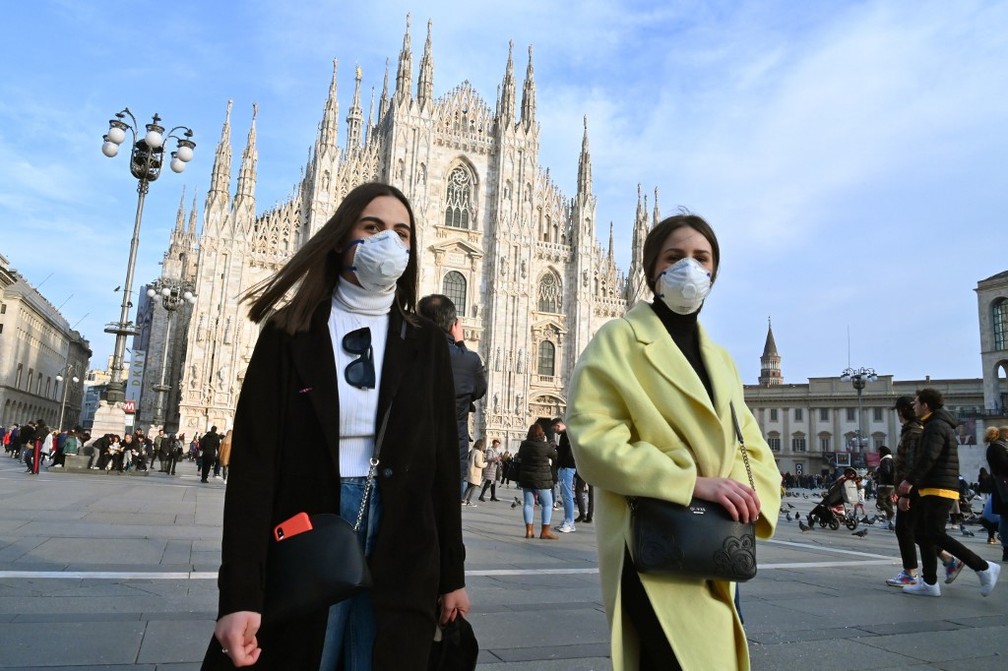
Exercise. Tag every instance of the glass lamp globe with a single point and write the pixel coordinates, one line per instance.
(116, 134)
(189, 296)
(59, 378)
(75, 379)
(166, 292)
(177, 164)
(153, 139)
(184, 153)
(110, 148)
(151, 293)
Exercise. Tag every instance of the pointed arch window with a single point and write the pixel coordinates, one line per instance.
(458, 208)
(550, 293)
(454, 287)
(547, 359)
(999, 321)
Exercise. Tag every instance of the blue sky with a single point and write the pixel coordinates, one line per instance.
(850, 155)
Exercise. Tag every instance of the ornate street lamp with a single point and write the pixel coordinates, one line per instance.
(174, 294)
(859, 377)
(67, 370)
(146, 160)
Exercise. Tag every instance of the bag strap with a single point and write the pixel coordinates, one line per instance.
(741, 443)
(373, 467)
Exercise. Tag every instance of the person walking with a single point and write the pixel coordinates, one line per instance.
(208, 446)
(997, 459)
(474, 474)
(935, 476)
(906, 511)
(650, 414)
(884, 476)
(341, 351)
(490, 471)
(535, 477)
(565, 474)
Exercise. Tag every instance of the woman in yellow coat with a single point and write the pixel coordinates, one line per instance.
(649, 415)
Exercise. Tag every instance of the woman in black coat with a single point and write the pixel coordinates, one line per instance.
(535, 477)
(997, 459)
(328, 366)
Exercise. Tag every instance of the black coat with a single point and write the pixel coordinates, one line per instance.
(997, 459)
(534, 457)
(936, 464)
(285, 460)
(470, 386)
(906, 451)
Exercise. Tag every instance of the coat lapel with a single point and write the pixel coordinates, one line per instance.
(312, 353)
(400, 350)
(666, 358)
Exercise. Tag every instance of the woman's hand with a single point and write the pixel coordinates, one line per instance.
(452, 604)
(738, 499)
(236, 633)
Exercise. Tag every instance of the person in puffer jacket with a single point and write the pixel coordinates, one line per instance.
(935, 476)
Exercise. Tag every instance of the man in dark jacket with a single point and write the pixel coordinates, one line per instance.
(467, 369)
(208, 446)
(934, 474)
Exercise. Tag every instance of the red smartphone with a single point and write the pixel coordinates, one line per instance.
(298, 524)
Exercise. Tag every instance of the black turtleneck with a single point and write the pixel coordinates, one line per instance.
(686, 335)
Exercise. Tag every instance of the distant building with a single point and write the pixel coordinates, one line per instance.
(37, 345)
(992, 308)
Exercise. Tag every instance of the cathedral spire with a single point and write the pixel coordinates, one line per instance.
(770, 368)
(355, 115)
(584, 183)
(528, 105)
(384, 101)
(329, 129)
(370, 118)
(220, 179)
(611, 246)
(425, 85)
(404, 76)
(656, 213)
(250, 157)
(192, 221)
(180, 217)
(507, 101)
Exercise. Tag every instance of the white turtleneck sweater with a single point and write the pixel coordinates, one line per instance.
(352, 308)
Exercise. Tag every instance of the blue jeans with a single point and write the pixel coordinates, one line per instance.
(350, 631)
(545, 505)
(566, 477)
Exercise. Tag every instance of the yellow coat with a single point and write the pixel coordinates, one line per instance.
(641, 423)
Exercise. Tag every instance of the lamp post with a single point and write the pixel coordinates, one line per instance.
(174, 294)
(146, 160)
(859, 377)
(67, 370)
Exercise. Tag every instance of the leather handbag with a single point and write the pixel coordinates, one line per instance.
(699, 540)
(455, 647)
(324, 565)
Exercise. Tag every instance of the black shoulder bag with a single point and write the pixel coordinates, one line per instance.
(314, 569)
(699, 540)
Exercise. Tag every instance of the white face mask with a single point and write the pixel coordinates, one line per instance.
(379, 261)
(683, 286)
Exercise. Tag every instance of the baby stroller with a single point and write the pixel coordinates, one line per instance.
(833, 509)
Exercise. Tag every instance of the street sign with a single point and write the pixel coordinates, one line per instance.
(129, 407)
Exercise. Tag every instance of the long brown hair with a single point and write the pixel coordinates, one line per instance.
(315, 268)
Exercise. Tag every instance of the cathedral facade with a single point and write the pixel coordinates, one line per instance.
(520, 259)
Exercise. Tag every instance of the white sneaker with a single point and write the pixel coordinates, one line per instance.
(565, 528)
(923, 589)
(989, 578)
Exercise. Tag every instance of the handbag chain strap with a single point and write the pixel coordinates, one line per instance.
(373, 468)
(742, 447)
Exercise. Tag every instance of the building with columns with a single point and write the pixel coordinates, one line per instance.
(40, 354)
(992, 308)
(813, 426)
(520, 258)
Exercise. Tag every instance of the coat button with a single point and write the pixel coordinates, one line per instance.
(387, 473)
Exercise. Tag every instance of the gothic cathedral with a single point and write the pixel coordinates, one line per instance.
(519, 258)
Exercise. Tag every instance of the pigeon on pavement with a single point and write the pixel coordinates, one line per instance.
(803, 526)
(860, 534)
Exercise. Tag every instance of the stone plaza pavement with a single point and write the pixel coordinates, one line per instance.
(117, 572)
